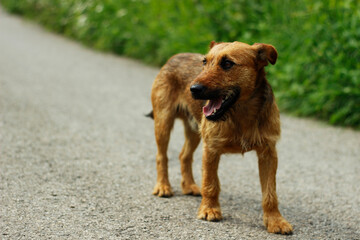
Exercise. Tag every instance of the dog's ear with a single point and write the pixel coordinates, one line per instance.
(265, 53)
(213, 43)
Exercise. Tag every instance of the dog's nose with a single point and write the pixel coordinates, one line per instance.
(197, 89)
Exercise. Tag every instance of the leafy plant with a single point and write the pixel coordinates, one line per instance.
(318, 70)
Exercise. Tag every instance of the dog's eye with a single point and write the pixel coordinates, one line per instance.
(227, 64)
(204, 61)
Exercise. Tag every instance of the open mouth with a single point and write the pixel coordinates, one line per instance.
(217, 107)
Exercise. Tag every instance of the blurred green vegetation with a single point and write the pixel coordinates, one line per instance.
(318, 70)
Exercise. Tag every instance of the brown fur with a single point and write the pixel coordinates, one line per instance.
(252, 123)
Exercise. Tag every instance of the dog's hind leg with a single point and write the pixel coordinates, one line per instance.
(274, 222)
(164, 122)
(192, 139)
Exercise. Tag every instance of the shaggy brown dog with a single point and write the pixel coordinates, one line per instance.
(225, 99)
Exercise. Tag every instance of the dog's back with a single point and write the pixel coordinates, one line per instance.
(170, 92)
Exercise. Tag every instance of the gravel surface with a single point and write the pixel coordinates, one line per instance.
(78, 156)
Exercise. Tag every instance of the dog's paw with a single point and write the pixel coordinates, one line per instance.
(210, 214)
(162, 190)
(278, 225)
(191, 189)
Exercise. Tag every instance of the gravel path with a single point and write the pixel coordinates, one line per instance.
(78, 156)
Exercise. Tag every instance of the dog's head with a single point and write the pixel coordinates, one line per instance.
(230, 74)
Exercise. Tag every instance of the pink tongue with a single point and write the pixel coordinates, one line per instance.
(211, 106)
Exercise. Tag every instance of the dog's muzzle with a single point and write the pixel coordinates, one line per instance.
(198, 91)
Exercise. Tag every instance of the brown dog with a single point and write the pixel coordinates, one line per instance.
(227, 95)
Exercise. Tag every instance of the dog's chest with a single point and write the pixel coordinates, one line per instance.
(229, 138)
(238, 144)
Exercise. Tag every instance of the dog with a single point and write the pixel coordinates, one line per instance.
(225, 99)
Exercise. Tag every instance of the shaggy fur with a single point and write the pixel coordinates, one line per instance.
(248, 119)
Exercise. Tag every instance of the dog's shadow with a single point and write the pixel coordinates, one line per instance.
(239, 210)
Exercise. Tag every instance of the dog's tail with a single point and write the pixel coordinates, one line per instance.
(150, 114)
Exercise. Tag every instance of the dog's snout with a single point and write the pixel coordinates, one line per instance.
(197, 89)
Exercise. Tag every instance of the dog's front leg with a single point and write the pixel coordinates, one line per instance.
(274, 222)
(210, 207)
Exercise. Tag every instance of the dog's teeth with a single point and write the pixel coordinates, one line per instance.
(214, 110)
(223, 101)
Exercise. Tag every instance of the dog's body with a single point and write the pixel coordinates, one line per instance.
(226, 98)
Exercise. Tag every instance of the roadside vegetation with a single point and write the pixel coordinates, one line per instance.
(318, 69)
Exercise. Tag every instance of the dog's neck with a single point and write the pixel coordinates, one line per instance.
(259, 121)
(256, 109)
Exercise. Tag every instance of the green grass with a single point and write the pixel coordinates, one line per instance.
(318, 70)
